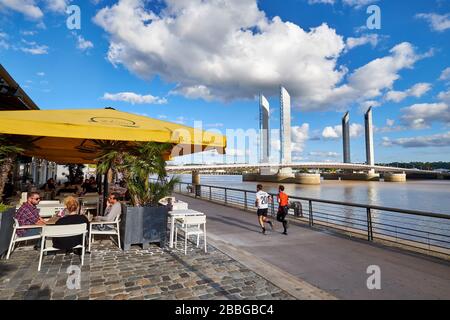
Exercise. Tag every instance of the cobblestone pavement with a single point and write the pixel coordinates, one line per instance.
(153, 273)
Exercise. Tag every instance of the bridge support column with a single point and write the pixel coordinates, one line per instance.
(394, 177)
(307, 178)
(285, 173)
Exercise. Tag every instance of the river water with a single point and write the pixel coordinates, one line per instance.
(422, 195)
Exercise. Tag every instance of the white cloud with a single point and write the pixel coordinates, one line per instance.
(34, 48)
(445, 97)
(299, 136)
(214, 125)
(324, 154)
(31, 8)
(162, 116)
(390, 122)
(83, 44)
(365, 105)
(225, 50)
(134, 98)
(358, 3)
(352, 3)
(420, 116)
(445, 75)
(356, 130)
(371, 39)
(417, 91)
(41, 74)
(437, 140)
(321, 1)
(28, 33)
(57, 5)
(438, 22)
(27, 7)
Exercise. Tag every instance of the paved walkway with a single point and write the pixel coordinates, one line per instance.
(136, 274)
(333, 263)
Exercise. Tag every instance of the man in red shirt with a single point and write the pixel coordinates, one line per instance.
(28, 214)
(283, 208)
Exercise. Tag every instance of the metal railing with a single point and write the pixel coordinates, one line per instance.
(418, 229)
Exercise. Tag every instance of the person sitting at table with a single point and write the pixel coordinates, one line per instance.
(28, 214)
(113, 209)
(68, 188)
(71, 217)
(49, 185)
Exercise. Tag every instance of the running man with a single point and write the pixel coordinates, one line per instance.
(262, 203)
(283, 208)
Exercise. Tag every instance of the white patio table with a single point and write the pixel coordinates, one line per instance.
(179, 214)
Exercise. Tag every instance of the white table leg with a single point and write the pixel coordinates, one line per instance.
(172, 230)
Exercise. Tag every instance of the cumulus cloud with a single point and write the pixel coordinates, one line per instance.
(445, 75)
(420, 116)
(444, 96)
(57, 5)
(324, 154)
(352, 3)
(34, 48)
(371, 39)
(330, 133)
(83, 44)
(299, 136)
(134, 98)
(437, 140)
(27, 7)
(437, 22)
(31, 8)
(417, 91)
(225, 50)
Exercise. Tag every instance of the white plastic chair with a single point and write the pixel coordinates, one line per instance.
(15, 238)
(114, 231)
(49, 202)
(69, 230)
(191, 225)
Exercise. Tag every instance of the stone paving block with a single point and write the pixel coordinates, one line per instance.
(110, 273)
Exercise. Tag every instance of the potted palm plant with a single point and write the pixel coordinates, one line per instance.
(143, 221)
(8, 154)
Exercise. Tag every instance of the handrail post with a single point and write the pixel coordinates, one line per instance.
(210, 195)
(245, 200)
(311, 218)
(369, 225)
(226, 200)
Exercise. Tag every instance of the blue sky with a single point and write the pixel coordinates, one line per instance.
(187, 61)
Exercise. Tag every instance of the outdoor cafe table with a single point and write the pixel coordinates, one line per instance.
(179, 214)
(48, 210)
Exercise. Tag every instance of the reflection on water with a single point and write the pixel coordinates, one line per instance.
(425, 195)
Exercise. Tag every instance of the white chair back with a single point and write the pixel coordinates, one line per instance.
(188, 220)
(64, 230)
(49, 202)
(16, 223)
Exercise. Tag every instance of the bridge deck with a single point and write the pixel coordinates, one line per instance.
(330, 262)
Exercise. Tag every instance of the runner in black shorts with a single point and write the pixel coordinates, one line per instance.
(262, 203)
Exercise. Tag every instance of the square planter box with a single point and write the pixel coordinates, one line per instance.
(6, 229)
(143, 225)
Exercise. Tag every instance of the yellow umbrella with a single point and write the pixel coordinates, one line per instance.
(72, 136)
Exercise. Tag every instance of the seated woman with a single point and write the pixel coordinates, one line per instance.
(71, 217)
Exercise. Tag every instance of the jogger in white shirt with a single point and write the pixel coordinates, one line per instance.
(262, 203)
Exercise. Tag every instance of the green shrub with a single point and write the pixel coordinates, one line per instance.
(4, 207)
